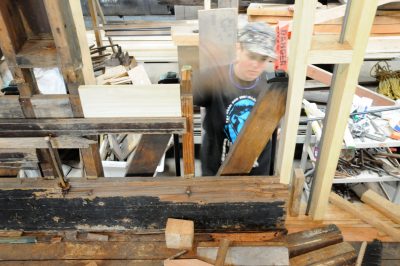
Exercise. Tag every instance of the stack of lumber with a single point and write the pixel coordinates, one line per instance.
(119, 75)
(387, 23)
(144, 48)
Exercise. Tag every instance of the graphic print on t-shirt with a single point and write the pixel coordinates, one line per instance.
(236, 115)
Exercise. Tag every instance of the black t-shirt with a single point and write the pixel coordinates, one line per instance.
(228, 103)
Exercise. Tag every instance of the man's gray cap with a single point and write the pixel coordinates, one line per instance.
(258, 37)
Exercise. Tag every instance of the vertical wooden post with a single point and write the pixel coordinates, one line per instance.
(296, 192)
(300, 45)
(358, 28)
(67, 26)
(207, 4)
(92, 161)
(95, 22)
(187, 111)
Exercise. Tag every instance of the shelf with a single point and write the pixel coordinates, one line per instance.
(365, 176)
(369, 143)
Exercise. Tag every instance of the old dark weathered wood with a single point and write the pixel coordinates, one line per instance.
(10, 107)
(257, 131)
(64, 142)
(148, 154)
(187, 112)
(37, 53)
(92, 161)
(338, 254)
(12, 33)
(17, 156)
(216, 204)
(69, 52)
(52, 106)
(90, 126)
(313, 239)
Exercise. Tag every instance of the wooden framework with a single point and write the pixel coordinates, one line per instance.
(307, 49)
(356, 33)
(54, 38)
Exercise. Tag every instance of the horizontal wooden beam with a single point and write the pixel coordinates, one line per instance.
(325, 49)
(90, 126)
(37, 53)
(52, 106)
(259, 203)
(63, 142)
(12, 156)
(326, 77)
(10, 107)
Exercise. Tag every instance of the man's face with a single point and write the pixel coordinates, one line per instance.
(250, 65)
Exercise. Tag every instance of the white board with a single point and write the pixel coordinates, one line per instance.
(158, 100)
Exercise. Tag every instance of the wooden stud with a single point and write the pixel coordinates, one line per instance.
(222, 251)
(92, 161)
(95, 22)
(187, 112)
(325, 49)
(357, 30)
(298, 57)
(257, 131)
(357, 211)
(297, 192)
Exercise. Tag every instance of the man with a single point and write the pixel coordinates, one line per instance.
(229, 93)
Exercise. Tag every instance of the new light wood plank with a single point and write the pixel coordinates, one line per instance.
(298, 59)
(269, 10)
(356, 211)
(357, 30)
(383, 205)
(95, 22)
(325, 49)
(159, 100)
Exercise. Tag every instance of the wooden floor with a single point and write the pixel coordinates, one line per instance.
(353, 229)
